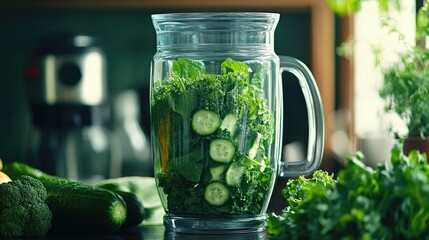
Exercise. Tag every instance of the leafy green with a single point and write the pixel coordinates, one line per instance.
(361, 203)
(187, 68)
(253, 189)
(257, 83)
(190, 165)
(177, 189)
(183, 196)
(186, 103)
(237, 91)
(230, 65)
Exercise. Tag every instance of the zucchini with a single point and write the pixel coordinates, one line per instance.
(76, 206)
(205, 122)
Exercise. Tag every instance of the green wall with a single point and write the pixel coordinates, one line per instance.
(129, 42)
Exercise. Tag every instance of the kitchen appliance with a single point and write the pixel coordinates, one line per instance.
(216, 119)
(67, 90)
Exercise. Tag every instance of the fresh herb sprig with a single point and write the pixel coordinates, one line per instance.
(389, 202)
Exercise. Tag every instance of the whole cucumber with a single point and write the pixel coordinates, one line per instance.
(135, 209)
(76, 206)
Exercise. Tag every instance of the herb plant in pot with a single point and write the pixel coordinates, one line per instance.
(406, 89)
(405, 84)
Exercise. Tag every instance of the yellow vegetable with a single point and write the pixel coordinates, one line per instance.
(3, 177)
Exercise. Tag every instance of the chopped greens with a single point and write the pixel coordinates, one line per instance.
(205, 123)
(390, 202)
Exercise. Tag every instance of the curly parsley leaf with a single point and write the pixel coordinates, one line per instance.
(389, 202)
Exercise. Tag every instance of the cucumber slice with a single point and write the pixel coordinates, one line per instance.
(217, 172)
(222, 150)
(253, 151)
(234, 174)
(216, 194)
(229, 123)
(205, 122)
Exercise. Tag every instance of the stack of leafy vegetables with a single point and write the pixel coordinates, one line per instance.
(390, 202)
(212, 136)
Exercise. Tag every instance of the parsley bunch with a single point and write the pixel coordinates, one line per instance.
(390, 202)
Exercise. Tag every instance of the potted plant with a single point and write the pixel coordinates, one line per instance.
(405, 84)
(406, 89)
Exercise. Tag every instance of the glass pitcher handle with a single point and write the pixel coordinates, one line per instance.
(316, 132)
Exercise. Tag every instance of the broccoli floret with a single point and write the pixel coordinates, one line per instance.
(12, 221)
(23, 211)
(39, 217)
(36, 186)
(10, 194)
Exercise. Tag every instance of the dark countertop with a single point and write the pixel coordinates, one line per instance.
(152, 233)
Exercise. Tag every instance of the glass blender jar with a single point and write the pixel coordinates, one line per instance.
(216, 119)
